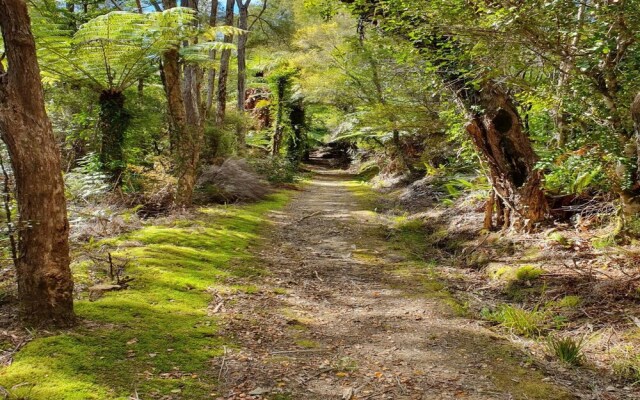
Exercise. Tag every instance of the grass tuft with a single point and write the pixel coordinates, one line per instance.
(567, 349)
(521, 321)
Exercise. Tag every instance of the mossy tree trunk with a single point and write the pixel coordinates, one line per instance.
(297, 146)
(211, 75)
(45, 284)
(243, 23)
(113, 123)
(278, 130)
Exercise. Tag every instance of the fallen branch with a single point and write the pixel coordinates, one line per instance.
(309, 216)
(218, 307)
(223, 364)
(298, 351)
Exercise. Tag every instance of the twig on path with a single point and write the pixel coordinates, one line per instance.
(7, 357)
(377, 394)
(401, 386)
(318, 276)
(317, 374)
(218, 307)
(224, 361)
(299, 351)
(309, 216)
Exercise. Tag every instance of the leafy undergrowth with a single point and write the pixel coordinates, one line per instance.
(155, 339)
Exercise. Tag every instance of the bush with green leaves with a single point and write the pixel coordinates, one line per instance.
(275, 169)
(86, 182)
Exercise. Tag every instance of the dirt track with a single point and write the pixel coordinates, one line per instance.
(341, 316)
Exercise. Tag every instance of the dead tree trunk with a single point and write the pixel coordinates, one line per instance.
(223, 75)
(499, 138)
(45, 284)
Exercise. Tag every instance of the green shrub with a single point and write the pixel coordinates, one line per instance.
(568, 350)
(275, 169)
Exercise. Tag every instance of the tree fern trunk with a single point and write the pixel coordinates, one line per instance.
(113, 124)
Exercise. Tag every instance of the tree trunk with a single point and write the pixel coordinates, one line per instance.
(498, 136)
(243, 23)
(183, 98)
(45, 284)
(223, 75)
(278, 131)
(297, 142)
(189, 143)
(635, 115)
(211, 76)
(630, 198)
(113, 124)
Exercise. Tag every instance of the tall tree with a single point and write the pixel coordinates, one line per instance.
(211, 76)
(243, 24)
(45, 284)
(223, 74)
(183, 88)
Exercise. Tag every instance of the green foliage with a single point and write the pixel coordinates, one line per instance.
(569, 302)
(627, 363)
(575, 172)
(111, 51)
(567, 349)
(560, 239)
(86, 182)
(275, 169)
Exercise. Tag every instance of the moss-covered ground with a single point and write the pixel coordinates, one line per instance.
(155, 339)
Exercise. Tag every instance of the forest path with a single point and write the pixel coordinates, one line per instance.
(341, 315)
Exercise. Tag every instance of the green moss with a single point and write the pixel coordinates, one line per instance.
(155, 338)
(569, 302)
(281, 291)
(307, 344)
(560, 239)
(528, 273)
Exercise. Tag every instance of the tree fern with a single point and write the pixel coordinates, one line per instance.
(113, 51)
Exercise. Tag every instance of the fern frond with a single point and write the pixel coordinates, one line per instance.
(114, 50)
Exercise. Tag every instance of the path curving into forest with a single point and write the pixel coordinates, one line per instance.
(342, 315)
